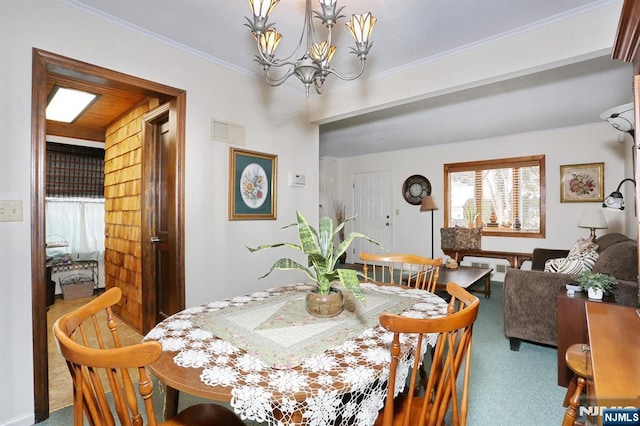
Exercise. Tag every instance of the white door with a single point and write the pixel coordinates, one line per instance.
(373, 205)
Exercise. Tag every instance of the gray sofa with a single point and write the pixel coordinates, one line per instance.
(530, 296)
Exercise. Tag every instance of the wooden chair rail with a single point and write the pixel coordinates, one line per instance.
(515, 259)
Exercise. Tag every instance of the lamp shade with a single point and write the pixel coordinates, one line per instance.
(428, 203)
(592, 219)
(615, 200)
(620, 117)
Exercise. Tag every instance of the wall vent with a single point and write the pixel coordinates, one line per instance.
(223, 131)
(480, 265)
(502, 268)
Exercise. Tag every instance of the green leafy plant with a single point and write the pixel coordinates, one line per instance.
(318, 245)
(469, 211)
(588, 279)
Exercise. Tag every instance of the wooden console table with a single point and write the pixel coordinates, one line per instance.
(514, 259)
(615, 355)
(572, 327)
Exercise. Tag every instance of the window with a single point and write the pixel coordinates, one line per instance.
(506, 197)
(75, 200)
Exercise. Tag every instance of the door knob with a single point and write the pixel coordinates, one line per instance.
(154, 240)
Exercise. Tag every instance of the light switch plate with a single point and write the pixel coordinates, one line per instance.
(10, 211)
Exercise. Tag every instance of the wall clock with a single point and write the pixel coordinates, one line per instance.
(415, 188)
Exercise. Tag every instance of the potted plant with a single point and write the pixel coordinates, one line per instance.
(596, 283)
(469, 213)
(318, 245)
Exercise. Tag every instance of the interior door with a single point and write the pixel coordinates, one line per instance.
(161, 282)
(373, 206)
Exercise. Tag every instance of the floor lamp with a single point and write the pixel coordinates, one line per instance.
(429, 204)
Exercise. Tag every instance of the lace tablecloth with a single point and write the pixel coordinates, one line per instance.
(339, 379)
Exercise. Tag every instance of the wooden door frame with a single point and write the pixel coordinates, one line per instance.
(44, 63)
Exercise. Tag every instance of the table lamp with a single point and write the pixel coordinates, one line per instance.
(592, 219)
(429, 204)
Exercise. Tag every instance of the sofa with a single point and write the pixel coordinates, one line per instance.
(530, 296)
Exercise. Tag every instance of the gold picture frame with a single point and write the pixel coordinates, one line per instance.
(582, 183)
(253, 178)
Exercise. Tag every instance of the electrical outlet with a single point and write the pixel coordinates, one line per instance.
(10, 211)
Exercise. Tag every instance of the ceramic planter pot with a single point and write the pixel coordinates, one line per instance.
(324, 305)
(594, 293)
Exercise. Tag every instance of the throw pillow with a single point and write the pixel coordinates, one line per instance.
(583, 245)
(458, 238)
(581, 258)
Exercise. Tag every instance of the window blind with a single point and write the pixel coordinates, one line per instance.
(74, 171)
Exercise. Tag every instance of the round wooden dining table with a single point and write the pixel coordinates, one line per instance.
(275, 363)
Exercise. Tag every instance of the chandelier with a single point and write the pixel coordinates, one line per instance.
(312, 66)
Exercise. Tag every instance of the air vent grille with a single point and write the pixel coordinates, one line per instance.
(223, 131)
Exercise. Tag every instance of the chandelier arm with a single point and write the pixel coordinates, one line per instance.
(279, 80)
(287, 60)
(307, 28)
(326, 52)
(277, 63)
(349, 76)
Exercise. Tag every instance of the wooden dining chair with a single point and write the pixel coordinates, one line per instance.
(450, 357)
(104, 372)
(402, 269)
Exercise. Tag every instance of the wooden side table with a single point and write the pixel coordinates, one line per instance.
(572, 327)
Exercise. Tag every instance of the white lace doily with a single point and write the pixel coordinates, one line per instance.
(345, 384)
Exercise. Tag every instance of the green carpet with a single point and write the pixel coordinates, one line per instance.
(507, 388)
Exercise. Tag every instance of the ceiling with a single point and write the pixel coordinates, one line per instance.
(91, 125)
(408, 32)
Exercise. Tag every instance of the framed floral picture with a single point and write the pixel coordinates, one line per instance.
(582, 183)
(252, 185)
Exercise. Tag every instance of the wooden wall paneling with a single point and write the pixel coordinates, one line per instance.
(123, 168)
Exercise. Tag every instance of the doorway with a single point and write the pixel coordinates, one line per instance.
(46, 65)
(372, 202)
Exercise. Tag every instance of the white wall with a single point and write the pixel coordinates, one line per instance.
(592, 143)
(217, 262)
(535, 49)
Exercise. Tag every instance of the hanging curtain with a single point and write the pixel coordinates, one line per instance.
(79, 222)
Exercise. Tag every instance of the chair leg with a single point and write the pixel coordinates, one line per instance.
(570, 391)
(572, 411)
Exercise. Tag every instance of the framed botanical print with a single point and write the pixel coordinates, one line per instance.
(253, 182)
(582, 183)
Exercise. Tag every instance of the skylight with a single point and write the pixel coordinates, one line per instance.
(67, 104)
